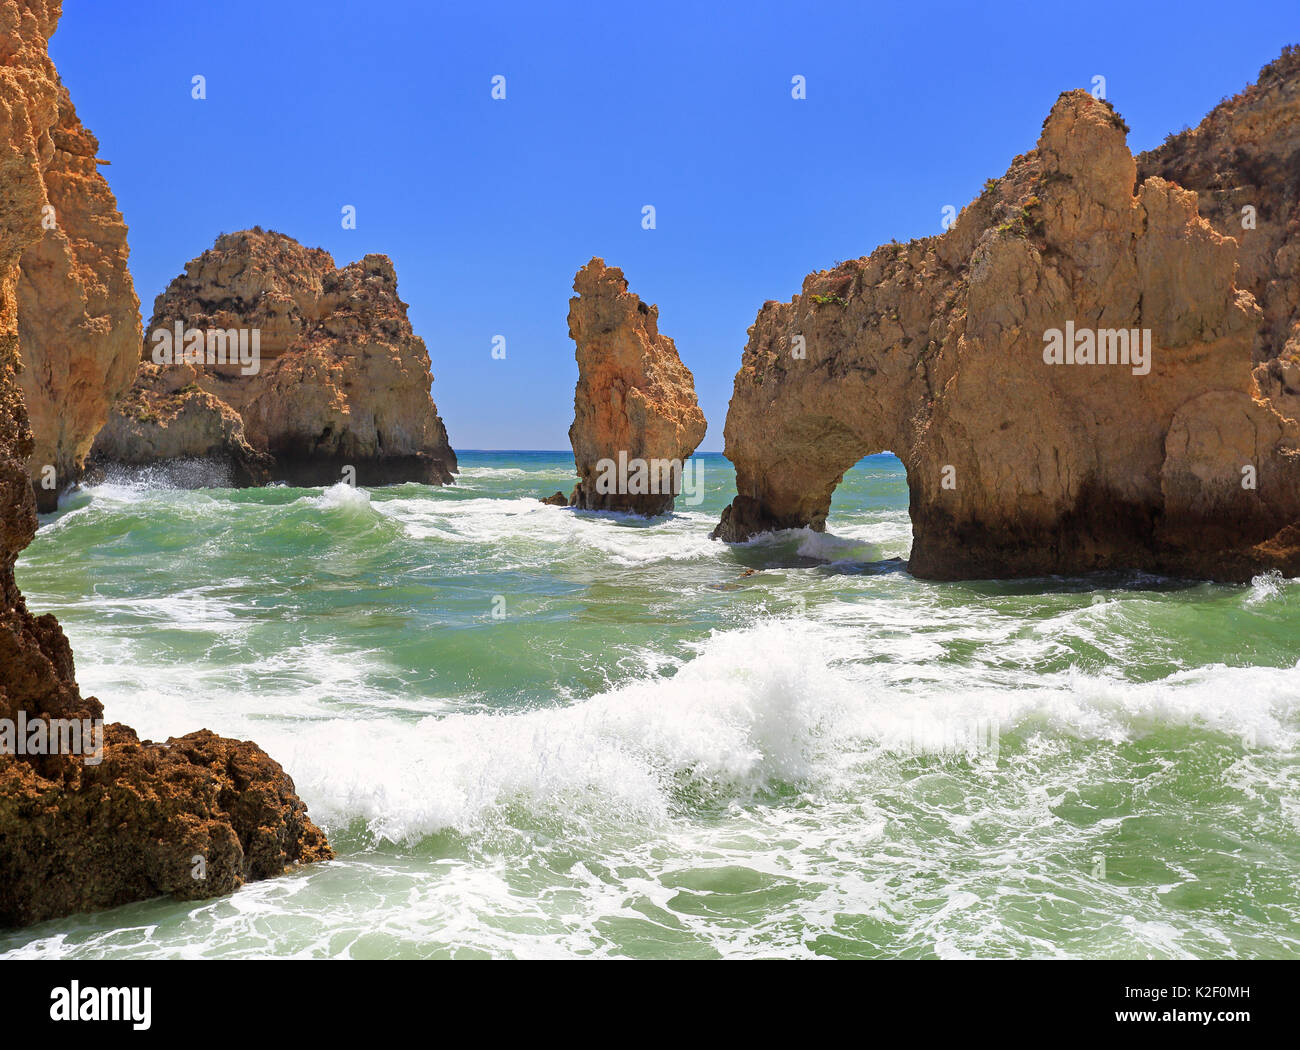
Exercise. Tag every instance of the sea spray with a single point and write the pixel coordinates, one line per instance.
(675, 747)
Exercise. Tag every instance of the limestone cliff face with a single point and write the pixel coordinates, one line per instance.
(78, 316)
(169, 423)
(635, 400)
(1243, 161)
(939, 351)
(77, 835)
(343, 380)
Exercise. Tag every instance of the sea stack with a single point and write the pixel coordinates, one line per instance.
(267, 360)
(78, 315)
(635, 417)
(1066, 374)
(109, 818)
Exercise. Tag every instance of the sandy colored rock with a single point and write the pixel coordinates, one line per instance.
(78, 316)
(634, 399)
(169, 423)
(344, 381)
(1243, 161)
(935, 350)
(76, 836)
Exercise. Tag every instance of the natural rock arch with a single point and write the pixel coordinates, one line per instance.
(1017, 465)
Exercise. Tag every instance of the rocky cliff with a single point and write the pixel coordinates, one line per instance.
(634, 409)
(78, 316)
(171, 425)
(111, 819)
(1066, 374)
(340, 378)
(1243, 161)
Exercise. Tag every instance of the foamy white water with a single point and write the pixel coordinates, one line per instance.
(650, 752)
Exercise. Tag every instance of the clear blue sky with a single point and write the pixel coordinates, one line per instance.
(487, 207)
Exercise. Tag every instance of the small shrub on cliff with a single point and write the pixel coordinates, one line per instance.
(1024, 222)
(835, 300)
(1278, 68)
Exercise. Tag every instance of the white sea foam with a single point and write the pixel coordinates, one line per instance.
(780, 785)
(513, 473)
(870, 543)
(785, 702)
(721, 724)
(1267, 586)
(505, 524)
(122, 492)
(792, 700)
(341, 496)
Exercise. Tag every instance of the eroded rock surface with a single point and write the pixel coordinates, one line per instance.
(1243, 161)
(75, 834)
(342, 379)
(936, 351)
(634, 407)
(169, 423)
(78, 315)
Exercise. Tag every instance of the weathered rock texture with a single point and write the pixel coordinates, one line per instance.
(343, 381)
(168, 422)
(77, 836)
(1243, 161)
(934, 350)
(634, 398)
(78, 316)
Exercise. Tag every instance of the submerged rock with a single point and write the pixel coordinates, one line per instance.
(108, 818)
(265, 356)
(636, 420)
(1065, 373)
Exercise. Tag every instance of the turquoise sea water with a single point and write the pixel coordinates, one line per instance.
(535, 732)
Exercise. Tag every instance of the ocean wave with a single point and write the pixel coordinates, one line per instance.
(786, 703)
(1267, 586)
(721, 726)
(507, 525)
(813, 757)
(514, 473)
(340, 496)
(860, 543)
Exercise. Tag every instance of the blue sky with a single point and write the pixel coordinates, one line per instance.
(488, 208)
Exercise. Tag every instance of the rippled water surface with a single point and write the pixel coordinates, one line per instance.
(535, 732)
